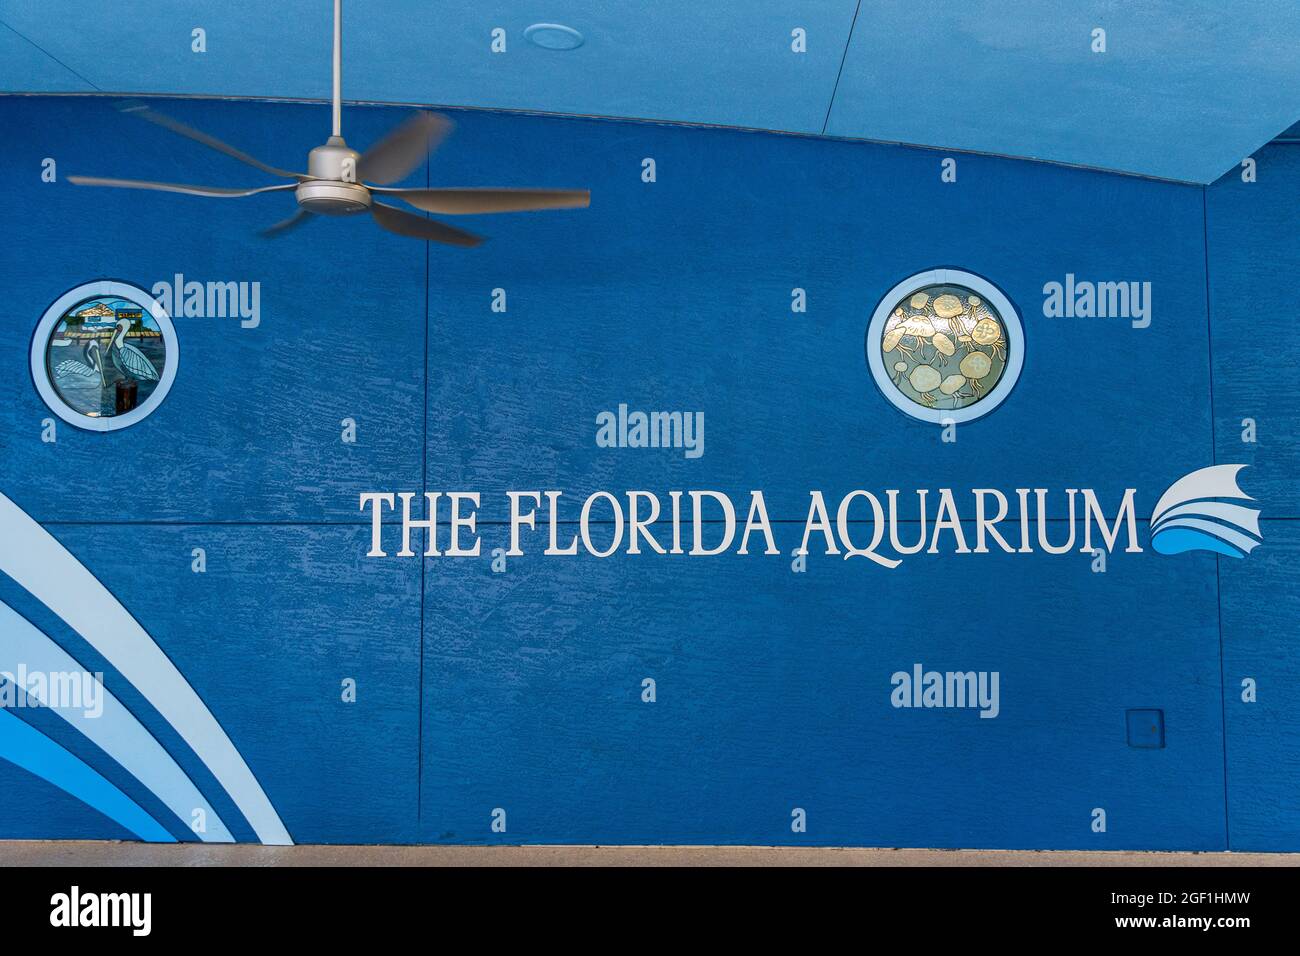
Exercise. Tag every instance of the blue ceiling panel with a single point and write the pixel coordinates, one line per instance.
(1184, 90)
(26, 66)
(729, 64)
(280, 50)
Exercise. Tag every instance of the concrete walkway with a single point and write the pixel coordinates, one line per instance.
(40, 853)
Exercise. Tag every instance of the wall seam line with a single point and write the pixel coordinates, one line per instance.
(1214, 459)
(843, 58)
(424, 488)
(47, 53)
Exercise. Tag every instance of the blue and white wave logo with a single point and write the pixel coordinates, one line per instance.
(1197, 514)
(43, 567)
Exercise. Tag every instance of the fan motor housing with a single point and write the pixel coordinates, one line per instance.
(332, 198)
(333, 189)
(334, 160)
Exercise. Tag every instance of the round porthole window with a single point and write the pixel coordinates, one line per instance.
(945, 345)
(104, 355)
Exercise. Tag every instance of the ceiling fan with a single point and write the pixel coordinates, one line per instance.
(340, 181)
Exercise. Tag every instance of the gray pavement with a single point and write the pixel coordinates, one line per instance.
(71, 853)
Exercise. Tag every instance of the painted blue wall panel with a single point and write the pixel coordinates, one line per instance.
(266, 636)
(521, 690)
(1261, 608)
(251, 429)
(677, 294)
(75, 817)
(59, 816)
(773, 692)
(1254, 255)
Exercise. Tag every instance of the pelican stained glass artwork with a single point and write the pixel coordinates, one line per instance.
(105, 356)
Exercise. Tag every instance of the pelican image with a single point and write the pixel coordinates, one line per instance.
(130, 361)
(92, 367)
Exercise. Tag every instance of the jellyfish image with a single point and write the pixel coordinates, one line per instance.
(925, 379)
(954, 324)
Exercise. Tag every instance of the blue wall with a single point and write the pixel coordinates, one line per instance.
(1254, 252)
(521, 690)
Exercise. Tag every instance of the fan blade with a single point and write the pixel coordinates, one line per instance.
(463, 202)
(417, 227)
(216, 191)
(136, 108)
(394, 156)
(284, 225)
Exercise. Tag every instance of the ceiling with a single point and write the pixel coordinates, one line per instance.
(1185, 89)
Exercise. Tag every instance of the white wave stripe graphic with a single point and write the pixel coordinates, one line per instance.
(1242, 542)
(1235, 516)
(39, 563)
(116, 731)
(1189, 503)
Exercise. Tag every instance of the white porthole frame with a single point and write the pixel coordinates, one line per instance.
(41, 344)
(994, 297)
